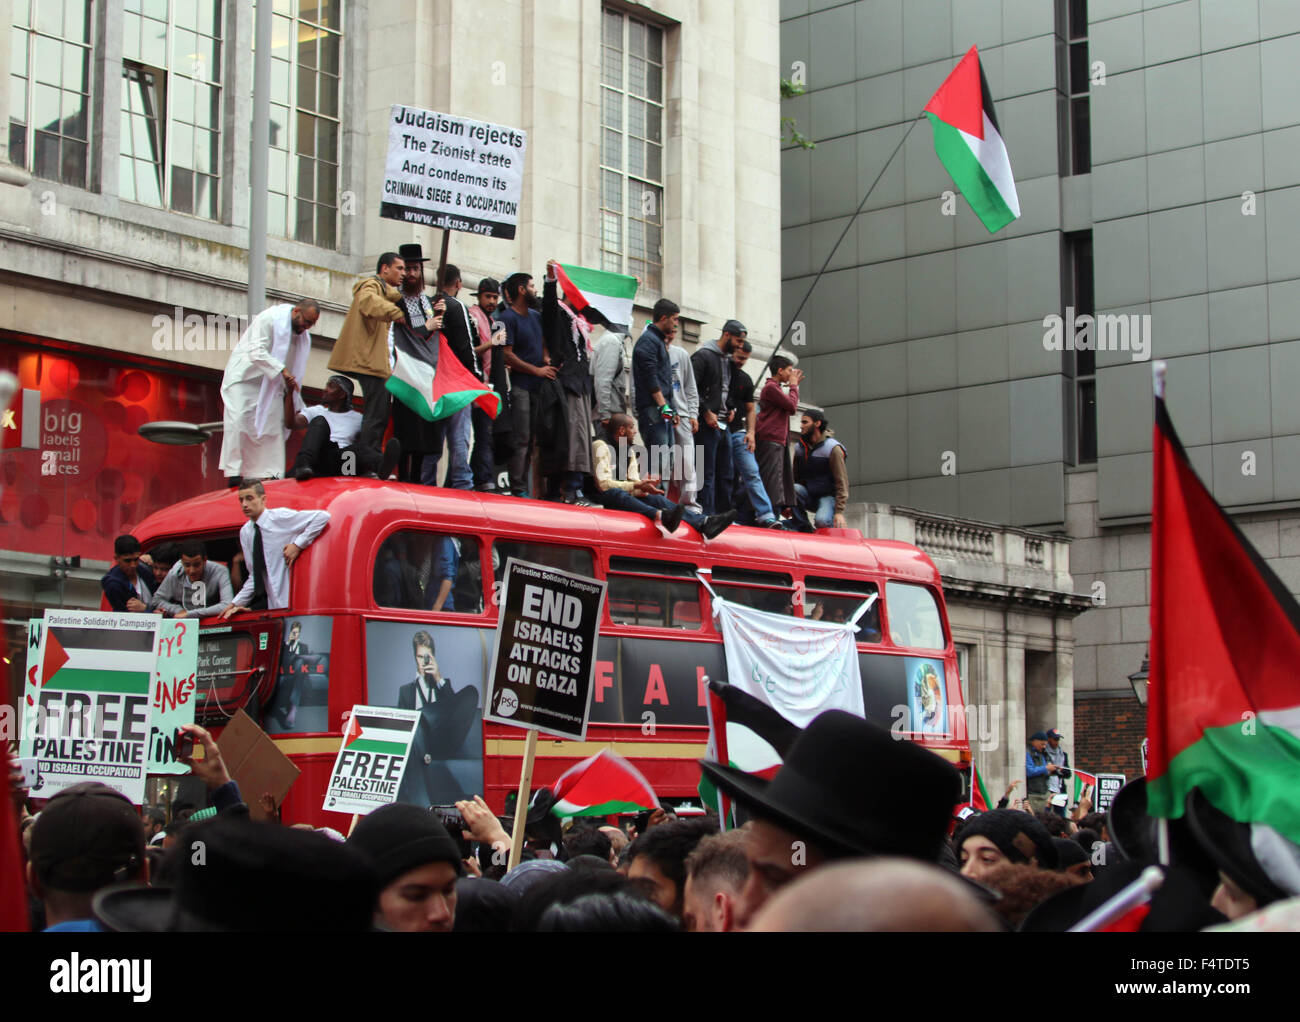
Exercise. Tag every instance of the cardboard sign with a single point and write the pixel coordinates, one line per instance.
(545, 651)
(87, 699)
(173, 699)
(255, 763)
(453, 173)
(1108, 786)
(372, 757)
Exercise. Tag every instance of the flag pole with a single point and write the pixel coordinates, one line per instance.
(1159, 369)
(1137, 893)
(835, 248)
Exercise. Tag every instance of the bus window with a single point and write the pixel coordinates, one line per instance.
(566, 558)
(913, 616)
(643, 592)
(838, 599)
(762, 590)
(419, 570)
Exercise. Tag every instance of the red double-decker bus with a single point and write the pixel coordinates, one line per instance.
(363, 600)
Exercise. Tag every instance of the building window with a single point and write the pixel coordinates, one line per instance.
(49, 89)
(1078, 250)
(631, 150)
(171, 105)
(1075, 74)
(306, 54)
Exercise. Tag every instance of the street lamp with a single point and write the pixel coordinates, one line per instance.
(1138, 679)
(179, 434)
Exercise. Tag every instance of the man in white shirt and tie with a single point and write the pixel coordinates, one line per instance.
(271, 539)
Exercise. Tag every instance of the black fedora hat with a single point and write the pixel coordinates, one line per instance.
(412, 253)
(1228, 844)
(236, 875)
(852, 789)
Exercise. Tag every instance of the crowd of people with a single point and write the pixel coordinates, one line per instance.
(833, 842)
(711, 446)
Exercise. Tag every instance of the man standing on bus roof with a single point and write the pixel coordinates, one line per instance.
(446, 716)
(271, 539)
(267, 363)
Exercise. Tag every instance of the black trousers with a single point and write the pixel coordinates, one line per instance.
(321, 454)
(374, 422)
(482, 461)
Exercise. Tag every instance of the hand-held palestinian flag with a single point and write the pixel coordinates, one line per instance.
(1223, 710)
(435, 393)
(1083, 779)
(979, 796)
(601, 785)
(968, 141)
(602, 297)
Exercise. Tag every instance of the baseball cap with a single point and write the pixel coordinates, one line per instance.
(87, 837)
(488, 286)
(734, 327)
(1055, 734)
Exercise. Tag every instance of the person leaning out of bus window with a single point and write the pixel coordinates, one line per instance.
(126, 587)
(195, 587)
(619, 486)
(271, 539)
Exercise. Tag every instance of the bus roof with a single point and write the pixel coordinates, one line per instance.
(363, 508)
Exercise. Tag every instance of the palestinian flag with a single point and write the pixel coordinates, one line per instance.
(74, 660)
(602, 785)
(368, 733)
(979, 796)
(968, 141)
(746, 733)
(1081, 780)
(604, 298)
(435, 393)
(1223, 711)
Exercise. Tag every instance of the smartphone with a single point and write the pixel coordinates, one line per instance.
(30, 774)
(184, 744)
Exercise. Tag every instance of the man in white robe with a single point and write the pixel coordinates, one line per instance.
(271, 355)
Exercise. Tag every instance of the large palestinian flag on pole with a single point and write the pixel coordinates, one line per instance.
(602, 297)
(435, 393)
(969, 142)
(1223, 711)
(602, 785)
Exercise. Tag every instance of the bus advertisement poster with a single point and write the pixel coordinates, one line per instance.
(372, 757)
(87, 699)
(545, 654)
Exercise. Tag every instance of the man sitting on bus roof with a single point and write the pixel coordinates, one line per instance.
(619, 486)
(272, 539)
(332, 428)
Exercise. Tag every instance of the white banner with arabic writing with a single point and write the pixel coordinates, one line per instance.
(797, 666)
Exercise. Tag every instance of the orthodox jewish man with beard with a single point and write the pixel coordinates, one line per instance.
(419, 437)
(446, 717)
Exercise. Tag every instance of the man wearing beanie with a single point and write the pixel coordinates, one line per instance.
(1002, 835)
(417, 864)
(86, 838)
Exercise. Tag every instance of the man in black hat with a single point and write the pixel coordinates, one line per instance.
(418, 437)
(1059, 758)
(417, 865)
(332, 427)
(489, 338)
(455, 429)
(87, 837)
(847, 789)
